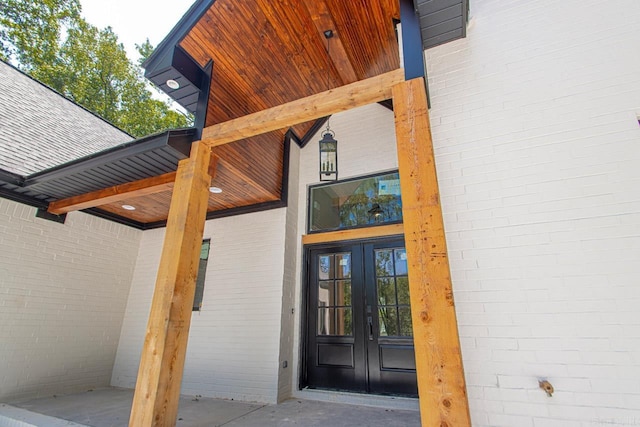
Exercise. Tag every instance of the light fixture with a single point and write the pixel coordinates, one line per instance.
(376, 211)
(328, 156)
(173, 84)
(128, 207)
(328, 143)
(215, 190)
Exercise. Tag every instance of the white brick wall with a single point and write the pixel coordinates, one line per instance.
(234, 340)
(63, 291)
(537, 148)
(290, 312)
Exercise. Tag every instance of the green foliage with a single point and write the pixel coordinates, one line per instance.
(52, 42)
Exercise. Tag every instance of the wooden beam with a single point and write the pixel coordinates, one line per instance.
(116, 193)
(155, 401)
(441, 384)
(356, 233)
(323, 20)
(313, 107)
(142, 187)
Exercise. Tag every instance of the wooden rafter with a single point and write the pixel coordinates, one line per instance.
(322, 19)
(313, 107)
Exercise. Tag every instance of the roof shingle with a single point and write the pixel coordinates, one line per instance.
(40, 128)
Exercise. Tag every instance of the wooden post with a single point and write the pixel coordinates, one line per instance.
(441, 385)
(155, 402)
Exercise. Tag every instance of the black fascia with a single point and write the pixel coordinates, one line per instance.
(292, 135)
(11, 178)
(387, 103)
(39, 204)
(170, 61)
(175, 36)
(42, 206)
(23, 198)
(312, 131)
(412, 53)
(178, 139)
(203, 100)
(116, 218)
(45, 214)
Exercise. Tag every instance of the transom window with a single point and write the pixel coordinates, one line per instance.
(361, 202)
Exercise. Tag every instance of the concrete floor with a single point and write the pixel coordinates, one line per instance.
(110, 407)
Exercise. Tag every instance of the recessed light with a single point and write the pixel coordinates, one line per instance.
(215, 190)
(129, 207)
(173, 84)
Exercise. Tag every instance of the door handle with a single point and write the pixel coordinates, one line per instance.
(370, 324)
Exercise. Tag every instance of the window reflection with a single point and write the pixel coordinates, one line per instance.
(334, 294)
(335, 321)
(354, 203)
(394, 309)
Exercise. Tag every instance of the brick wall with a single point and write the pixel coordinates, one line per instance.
(234, 340)
(534, 120)
(287, 374)
(63, 291)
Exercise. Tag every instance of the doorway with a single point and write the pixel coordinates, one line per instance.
(358, 319)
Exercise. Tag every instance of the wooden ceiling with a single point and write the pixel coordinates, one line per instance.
(266, 53)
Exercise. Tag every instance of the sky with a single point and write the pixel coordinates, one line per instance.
(135, 20)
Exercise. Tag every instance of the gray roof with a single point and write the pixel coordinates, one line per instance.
(40, 129)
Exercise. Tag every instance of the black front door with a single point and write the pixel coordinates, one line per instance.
(358, 325)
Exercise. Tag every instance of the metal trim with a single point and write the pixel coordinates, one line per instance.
(113, 154)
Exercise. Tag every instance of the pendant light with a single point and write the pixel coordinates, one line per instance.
(328, 144)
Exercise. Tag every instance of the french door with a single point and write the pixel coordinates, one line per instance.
(358, 322)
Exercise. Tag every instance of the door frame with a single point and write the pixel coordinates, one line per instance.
(306, 271)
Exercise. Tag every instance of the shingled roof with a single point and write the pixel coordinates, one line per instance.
(40, 128)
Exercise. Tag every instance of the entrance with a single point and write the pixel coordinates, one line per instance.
(358, 325)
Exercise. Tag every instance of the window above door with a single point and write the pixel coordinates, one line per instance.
(359, 202)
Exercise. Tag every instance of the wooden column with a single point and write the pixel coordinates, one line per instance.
(441, 385)
(155, 402)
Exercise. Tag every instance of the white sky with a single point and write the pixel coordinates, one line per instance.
(135, 20)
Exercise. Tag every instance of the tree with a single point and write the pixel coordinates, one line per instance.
(52, 42)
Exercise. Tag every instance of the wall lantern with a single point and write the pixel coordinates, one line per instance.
(328, 156)
(328, 143)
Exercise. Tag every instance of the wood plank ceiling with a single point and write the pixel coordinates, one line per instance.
(266, 53)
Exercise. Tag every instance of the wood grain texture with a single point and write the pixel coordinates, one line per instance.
(441, 383)
(267, 54)
(344, 98)
(323, 21)
(248, 171)
(155, 401)
(357, 233)
(114, 194)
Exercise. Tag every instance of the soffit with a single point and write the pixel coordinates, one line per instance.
(264, 54)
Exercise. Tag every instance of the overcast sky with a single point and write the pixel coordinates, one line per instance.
(135, 20)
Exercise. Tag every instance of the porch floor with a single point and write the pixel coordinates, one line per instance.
(110, 407)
